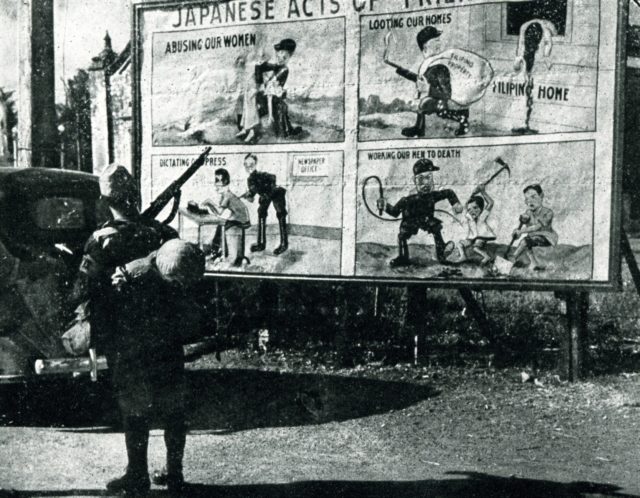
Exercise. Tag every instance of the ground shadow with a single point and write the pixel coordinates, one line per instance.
(225, 400)
(459, 485)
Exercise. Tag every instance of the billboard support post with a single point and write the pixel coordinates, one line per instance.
(573, 351)
(478, 313)
(629, 257)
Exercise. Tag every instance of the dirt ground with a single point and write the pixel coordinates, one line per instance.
(266, 429)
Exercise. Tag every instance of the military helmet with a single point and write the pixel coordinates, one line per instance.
(117, 185)
(424, 166)
(180, 261)
(287, 44)
(426, 34)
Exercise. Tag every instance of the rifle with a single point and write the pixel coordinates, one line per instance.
(174, 191)
(94, 362)
(405, 73)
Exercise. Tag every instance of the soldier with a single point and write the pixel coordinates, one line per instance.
(123, 239)
(264, 185)
(433, 83)
(417, 212)
(160, 314)
(272, 98)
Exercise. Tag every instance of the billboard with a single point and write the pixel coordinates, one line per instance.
(472, 142)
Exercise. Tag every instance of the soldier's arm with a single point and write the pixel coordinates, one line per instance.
(264, 68)
(446, 194)
(281, 76)
(271, 180)
(405, 73)
(91, 271)
(135, 271)
(395, 209)
(252, 186)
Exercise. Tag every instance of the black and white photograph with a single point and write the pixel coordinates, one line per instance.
(319, 248)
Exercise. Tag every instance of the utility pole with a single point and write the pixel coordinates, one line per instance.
(37, 133)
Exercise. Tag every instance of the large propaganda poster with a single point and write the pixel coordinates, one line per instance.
(472, 142)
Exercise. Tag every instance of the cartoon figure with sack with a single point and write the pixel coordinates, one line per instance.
(447, 82)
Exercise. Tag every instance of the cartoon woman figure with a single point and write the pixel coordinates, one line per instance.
(246, 106)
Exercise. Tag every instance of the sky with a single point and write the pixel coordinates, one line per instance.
(79, 26)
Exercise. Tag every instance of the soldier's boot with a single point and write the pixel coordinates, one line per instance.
(284, 125)
(175, 437)
(461, 116)
(262, 236)
(284, 237)
(463, 122)
(417, 130)
(135, 481)
(403, 255)
(443, 250)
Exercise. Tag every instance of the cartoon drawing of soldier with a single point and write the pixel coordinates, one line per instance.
(264, 185)
(272, 96)
(433, 83)
(417, 212)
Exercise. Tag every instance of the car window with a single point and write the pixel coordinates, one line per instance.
(59, 213)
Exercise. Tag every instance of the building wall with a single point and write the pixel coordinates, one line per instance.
(570, 106)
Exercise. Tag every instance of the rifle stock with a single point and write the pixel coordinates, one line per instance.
(173, 190)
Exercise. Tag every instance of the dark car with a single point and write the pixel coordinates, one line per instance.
(46, 216)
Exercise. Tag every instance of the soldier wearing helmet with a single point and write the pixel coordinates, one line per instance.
(433, 84)
(418, 211)
(271, 77)
(145, 375)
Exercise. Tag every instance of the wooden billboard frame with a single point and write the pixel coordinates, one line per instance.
(615, 257)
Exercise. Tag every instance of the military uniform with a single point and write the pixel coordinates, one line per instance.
(281, 121)
(264, 185)
(438, 99)
(125, 327)
(417, 211)
(117, 332)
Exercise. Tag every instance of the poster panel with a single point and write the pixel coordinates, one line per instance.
(491, 70)
(473, 142)
(313, 228)
(484, 199)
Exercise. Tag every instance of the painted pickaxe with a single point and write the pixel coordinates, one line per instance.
(504, 166)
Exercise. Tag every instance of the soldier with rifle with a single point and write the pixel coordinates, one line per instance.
(144, 375)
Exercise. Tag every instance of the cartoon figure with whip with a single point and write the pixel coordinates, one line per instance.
(418, 213)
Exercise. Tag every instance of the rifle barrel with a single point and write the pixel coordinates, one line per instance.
(170, 192)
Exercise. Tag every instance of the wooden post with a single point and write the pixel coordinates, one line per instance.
(342, 337)
(574, 345)
(478, 314)
(415, 318)
(630, 258)
(37, 133)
